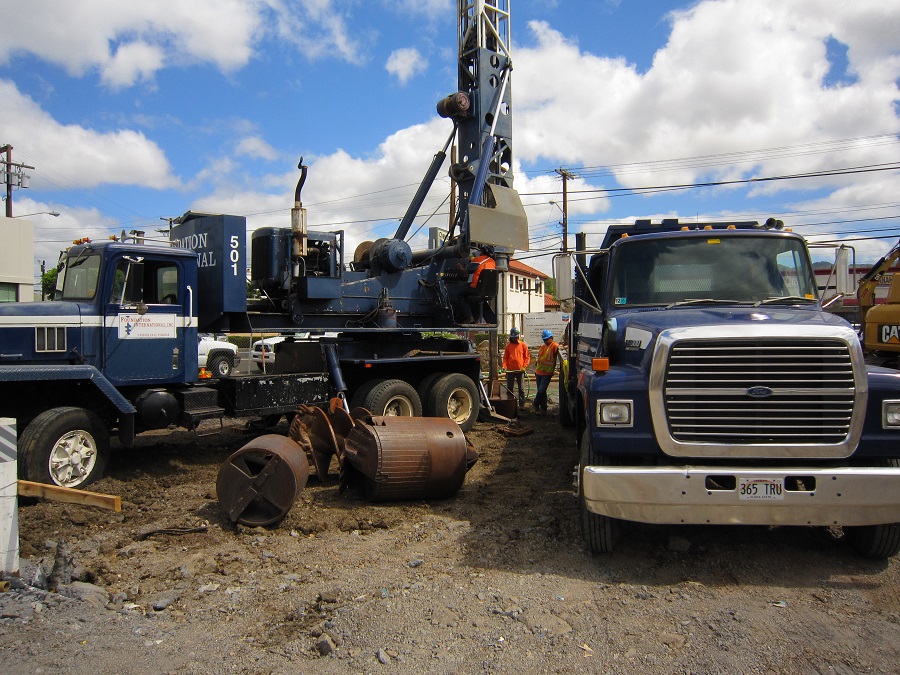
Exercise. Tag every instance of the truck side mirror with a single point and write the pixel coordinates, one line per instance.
(843, 278)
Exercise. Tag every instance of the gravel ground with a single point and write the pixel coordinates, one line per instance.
(495, 579)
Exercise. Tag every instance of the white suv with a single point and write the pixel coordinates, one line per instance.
(216, 354)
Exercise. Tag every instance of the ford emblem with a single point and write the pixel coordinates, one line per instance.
(759, 392)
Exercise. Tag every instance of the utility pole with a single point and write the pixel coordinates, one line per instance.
(17, 178)
(566, 175)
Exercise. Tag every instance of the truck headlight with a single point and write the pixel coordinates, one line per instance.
(890, 414)
(614, 413)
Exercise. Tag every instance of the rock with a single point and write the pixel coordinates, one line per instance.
(382, 657)
(349, 524)
(329, 597)
(163, 602)
(415, 563)
(195, 564)
(672, 640)
(444, 616)
(544, 622)
(325, 646)
(89, 593)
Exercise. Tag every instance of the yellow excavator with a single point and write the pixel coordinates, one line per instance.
(881, 323)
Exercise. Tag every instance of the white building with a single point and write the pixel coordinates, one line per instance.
(17, 260)
(521, 292)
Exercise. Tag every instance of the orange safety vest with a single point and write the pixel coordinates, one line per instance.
(546, 359)
(516, 356)
(482, 262)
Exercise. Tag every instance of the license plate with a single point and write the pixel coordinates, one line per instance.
(761, 488)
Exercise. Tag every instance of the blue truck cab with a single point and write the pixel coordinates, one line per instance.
(707, 385)
(120, 329)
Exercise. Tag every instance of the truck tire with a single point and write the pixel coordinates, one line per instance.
(64, 446)
(424, 389)
(359, 397)
(455, 396)
(876, 541)
(601, 533)
(220, 365)
(393, 398)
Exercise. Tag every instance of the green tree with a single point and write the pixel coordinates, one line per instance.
(550, 286)
(48, 282)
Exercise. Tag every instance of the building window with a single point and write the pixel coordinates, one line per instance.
(8, 292)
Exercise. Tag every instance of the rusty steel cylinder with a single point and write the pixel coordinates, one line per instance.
(259, 483)
(408, 457)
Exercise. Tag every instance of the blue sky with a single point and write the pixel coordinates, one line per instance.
(132, 112)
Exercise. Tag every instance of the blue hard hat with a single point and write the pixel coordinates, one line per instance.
(513, 332)
(546, 334)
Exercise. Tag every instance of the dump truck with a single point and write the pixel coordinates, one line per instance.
(706, 385)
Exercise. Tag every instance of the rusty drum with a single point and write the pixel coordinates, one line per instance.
(259, 483)
(409, 457)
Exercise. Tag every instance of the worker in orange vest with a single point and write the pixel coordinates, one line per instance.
(477, 265)
(543, 372)
(515, 361)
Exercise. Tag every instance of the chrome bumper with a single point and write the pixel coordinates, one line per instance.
(841, 496)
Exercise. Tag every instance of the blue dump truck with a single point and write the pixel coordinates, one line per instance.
(706, 385)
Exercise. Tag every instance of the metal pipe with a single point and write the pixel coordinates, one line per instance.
(416, 204)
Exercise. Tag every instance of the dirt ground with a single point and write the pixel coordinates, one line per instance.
(495, 579)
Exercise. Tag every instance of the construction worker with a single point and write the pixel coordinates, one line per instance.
(477, 265)
(543, 372)
(515, 361)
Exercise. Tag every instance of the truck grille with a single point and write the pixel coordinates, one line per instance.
(759, 391)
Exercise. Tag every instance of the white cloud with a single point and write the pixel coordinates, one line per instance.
(257, 148)
(316, 28)
(131, 40)
(405, 63)
(734, 76)
(78, 157)
(132, 62)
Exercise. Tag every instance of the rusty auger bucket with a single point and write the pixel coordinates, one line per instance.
(391, 458)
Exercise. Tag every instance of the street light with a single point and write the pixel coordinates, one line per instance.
(55, 214)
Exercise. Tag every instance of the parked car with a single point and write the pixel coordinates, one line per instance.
(264, 351)
(216, 354)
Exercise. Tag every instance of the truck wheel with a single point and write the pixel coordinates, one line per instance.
(64, 446)
(876, 541)
(455, 396)
(566, 419)
(359, 397)
(393, 398)
(424, 390)
(220, 365)
(601, 533)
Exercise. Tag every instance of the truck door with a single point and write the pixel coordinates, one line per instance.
(145, 333)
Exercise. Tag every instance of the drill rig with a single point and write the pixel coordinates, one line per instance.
(308, 281)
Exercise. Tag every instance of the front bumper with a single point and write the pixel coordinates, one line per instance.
(709, 495)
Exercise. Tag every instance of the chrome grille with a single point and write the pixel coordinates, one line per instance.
(805, 391)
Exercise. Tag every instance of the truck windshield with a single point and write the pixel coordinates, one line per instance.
(714, 269)
(79, 277)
